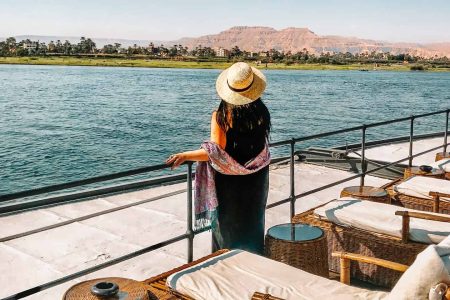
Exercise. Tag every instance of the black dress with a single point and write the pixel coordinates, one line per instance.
(242, 198)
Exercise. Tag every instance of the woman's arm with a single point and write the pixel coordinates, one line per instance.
(217, 136)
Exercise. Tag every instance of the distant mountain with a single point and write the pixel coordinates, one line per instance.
(296, 39)
(100, 42)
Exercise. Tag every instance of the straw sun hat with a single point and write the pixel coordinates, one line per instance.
(240, 84)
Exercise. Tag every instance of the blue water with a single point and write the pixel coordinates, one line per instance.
(59, 124)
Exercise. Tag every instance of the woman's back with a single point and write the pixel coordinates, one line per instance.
(244, 146)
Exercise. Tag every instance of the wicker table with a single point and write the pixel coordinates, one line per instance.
(436, 173)
(128, 290)
(371, 193)
(299, 245)
(442, 155)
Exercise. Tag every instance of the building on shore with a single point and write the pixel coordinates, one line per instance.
(30, 45)
(221, 52)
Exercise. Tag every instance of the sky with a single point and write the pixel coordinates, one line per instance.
(389, 20)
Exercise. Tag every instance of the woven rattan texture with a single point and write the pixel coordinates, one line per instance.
(415, 171)
(133, 289)
(417, 203)
(371, 244)
(420, 203)
(310, 256)
(442, 155)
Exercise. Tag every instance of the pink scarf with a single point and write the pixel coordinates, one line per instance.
(205, 196)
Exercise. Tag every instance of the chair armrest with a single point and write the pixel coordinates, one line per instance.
(262, 296)
(406, 215)
(391, 183)
(438, 194)
(346, 257)
(423, 215)
(436, 199)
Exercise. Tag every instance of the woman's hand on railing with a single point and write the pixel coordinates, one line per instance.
(175, 160)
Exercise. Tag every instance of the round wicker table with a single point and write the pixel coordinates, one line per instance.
(371, 193)
(128, 290)
(299, 245)
(436, 173)
(442, 155)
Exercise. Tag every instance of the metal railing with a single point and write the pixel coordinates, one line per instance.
(190, 232)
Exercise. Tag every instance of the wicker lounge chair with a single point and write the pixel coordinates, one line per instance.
(159, 282)
(368, 243)
(435, 201)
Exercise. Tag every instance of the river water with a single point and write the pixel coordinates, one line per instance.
(59, 124)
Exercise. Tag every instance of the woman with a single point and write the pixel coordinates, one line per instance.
(232, 176)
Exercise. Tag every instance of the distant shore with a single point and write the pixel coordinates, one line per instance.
(155, 63)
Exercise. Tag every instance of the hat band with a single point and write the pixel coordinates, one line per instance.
(243, 89)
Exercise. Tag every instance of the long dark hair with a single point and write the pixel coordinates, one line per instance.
(252, 117)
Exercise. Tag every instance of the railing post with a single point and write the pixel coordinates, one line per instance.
(189, 231)
(411, 138)
(292, 178)
(446, 132)
(363, 156)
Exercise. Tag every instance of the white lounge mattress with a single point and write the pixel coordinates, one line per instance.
(381, 218)
(238, 274)
(421, 186)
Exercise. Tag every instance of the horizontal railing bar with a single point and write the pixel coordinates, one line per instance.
(76, 183)
(87, 193)
(376, 163)
(327, 186)
(109, 263)
(315, 136)
(277, 203)
(58, 199)
(431, 113)
(387, 122)
(325, 134)
(90, 216)
(357, 146)
(406, 118)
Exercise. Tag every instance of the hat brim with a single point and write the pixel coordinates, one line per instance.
(241, 98)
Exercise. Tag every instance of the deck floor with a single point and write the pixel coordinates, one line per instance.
(38, 258)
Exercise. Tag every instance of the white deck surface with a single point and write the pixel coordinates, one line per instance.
(45, 256)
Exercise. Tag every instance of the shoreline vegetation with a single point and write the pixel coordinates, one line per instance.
(207, 64)
(86, 53)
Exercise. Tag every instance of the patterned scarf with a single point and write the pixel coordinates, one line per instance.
(205, 196)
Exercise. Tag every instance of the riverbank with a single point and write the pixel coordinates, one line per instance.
(151, 63)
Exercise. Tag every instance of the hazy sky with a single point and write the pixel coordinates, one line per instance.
(392, 20)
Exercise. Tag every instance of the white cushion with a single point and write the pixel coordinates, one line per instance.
(381, 218)
(444, 252)
(427, 270)
(443, 164)
(421, 186)
(238, 274)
